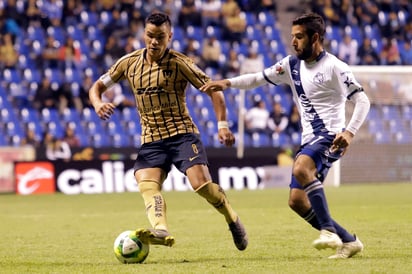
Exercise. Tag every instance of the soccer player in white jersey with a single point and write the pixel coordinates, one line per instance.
(321, 84)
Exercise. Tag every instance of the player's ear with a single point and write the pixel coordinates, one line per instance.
(315, 37)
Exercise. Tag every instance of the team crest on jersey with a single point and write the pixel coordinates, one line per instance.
(319, 78)
(167, 73)
(279, 69)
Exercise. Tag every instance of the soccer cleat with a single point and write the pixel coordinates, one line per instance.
(155, 236)
(239, 234)
(348, 250)
(327, 239)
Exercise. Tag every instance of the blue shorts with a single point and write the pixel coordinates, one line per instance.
(319, 150)
(183, 151)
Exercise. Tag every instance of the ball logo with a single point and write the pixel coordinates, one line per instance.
(34, 178)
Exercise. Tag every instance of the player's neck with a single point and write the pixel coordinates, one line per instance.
(316, 56)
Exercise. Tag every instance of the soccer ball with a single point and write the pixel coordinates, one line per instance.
(128, 249)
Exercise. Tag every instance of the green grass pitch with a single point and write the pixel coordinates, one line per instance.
(75, 234)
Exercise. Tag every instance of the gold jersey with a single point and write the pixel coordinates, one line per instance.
(160, 91)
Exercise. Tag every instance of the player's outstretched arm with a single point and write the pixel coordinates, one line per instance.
(103, 110)
(215, 85)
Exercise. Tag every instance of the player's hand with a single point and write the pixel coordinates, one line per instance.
(104, 110)
(215, 86)
(342, 141)
(226, 137)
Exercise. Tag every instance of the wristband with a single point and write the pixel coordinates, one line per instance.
(222, 124)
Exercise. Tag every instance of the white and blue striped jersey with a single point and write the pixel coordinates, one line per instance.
(320, 90)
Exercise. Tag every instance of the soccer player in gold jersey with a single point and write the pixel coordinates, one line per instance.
(158, 77)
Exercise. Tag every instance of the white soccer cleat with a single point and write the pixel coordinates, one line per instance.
(348, 250)
(327, 239)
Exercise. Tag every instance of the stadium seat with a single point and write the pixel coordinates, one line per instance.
(132, 128)
(27, 115)
(136, 140)
(260, 140)
(93, 128)
(55, 128)
(120, 140)
(58, 33)
(75, 32)
(11, 75)
(100, 140)
(280, 139)
(266, 18)
(7, 115)
(14, 129)
(36, 33)
(89, 18)
(250, 18)
(70, 115)
(49, 115)
(31, 75)
(88, 114)
(55, 76)
(403, 137)
(383, 137)
(113, 128)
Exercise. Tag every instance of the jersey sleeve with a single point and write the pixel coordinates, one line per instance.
(278, 73)
(346, 80)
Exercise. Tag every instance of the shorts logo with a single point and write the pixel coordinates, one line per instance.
(34, 178)
(192, 158)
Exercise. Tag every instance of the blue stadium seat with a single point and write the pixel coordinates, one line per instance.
(100, 140)
(70, 115)
(55, 128)
(375, 126)
(260, 140)
(93, 128)
(403, 137)
(36, 127)
(113, 128)
(8, 115)
(14, 129)
(132, 128)
(333, 33)
(89, 18)
(36, 33)
(75, 32)
(250, 18)
(11, 75)
(383, 137)
(32, 75)
(55, 76)
(266, 18)
(281, 140)
(58, 33)
(120, 140)
(27, 115)
(136, 140)
(88, 114)
(390, 112)
(73, 75)
(49, 115)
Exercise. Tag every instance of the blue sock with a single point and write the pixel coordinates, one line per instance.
(310, 217)
(317, 199)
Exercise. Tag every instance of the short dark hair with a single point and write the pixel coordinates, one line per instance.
(313, 22)
(158, 19)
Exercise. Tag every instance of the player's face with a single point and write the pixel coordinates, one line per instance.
(156, 40)
(301, 43)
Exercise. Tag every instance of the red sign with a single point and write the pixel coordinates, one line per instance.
(34, 178)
